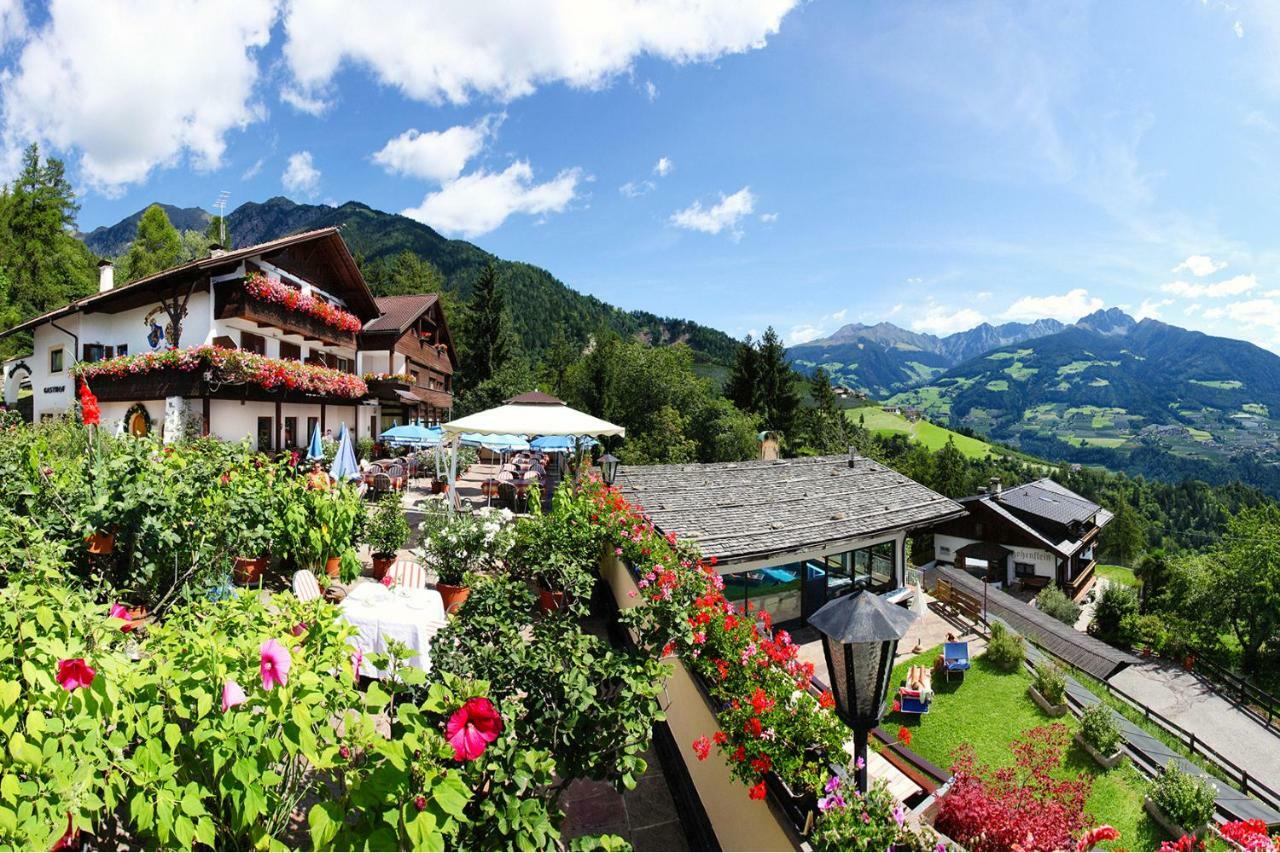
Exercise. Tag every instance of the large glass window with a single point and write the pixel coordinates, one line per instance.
(775, 589)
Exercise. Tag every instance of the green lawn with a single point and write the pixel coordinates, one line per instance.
(1118, 574)
(988, 710)
(930, 435)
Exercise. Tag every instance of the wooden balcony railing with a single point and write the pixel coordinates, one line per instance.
(232, 301)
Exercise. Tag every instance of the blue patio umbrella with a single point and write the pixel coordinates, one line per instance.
(344, 461)
(503, 443)
(315, 448)
(415, 434)
(562, 443)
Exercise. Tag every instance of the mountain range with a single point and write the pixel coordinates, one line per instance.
(884, 358)
(538, 301)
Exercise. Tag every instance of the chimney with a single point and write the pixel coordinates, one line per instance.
(216, 250)
(994, 486)
(106, 276)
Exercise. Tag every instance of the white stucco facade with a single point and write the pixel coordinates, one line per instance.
(1043, 563)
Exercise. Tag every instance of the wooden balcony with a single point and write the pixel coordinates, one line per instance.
(194, 384)
(1078, 586)
(386, 389)
(232, 302)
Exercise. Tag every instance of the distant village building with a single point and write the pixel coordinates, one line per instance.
(299, 305)
(892, 410)
(1032, 535)
(912, 414)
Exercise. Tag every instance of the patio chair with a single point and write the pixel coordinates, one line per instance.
(408, 573)
(396, 472)
(305, 586)
(955, 658)
(381, 485)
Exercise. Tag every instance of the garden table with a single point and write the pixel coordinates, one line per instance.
(412, 616)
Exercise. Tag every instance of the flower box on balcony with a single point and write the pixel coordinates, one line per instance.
(273, 304)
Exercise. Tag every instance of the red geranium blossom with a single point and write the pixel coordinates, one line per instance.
(74, 673)
(826, 700)
(702, 748)
(752, 726)
(472, 728)
(757, 791)
(904, 735)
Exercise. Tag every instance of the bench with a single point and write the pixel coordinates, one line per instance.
(958, 600)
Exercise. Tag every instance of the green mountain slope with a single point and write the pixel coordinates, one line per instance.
(537, 299)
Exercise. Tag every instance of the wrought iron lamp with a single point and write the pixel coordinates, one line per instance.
(860, 634)
(608, 468)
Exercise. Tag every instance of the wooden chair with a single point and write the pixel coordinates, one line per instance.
(381, 485)
(408, 573)
(305, 586)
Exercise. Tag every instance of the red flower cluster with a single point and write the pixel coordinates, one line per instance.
(232, 365)
(702, 748)
(264, 289)
(904, 735)
(1029, 806)
(1250, 835)
(89, 411)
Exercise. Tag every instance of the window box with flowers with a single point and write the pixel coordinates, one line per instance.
(274, 302)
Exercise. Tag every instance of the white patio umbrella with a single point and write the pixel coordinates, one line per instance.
(529, 415)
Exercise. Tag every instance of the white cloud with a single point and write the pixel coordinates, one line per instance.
(633, 189)
(1200, 266)
(1238, 29)
(134, 86)
(839, 316)
(650, 91)
(983, 295)
(433, 155)
(946, 320)
(1233, 286)
(768, 218)
(300, 174)
(1067, 307)
(1151, 308)
(452, 51)
(663, 167)
(479, 202)
(896, 309)
(1251, 313)
(803, 334)
(304, 103)
(13, 22)
(252, 171)
(724, 215)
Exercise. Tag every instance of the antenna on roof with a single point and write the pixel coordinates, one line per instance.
(221, 206)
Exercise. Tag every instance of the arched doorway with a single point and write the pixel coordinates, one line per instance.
(137, 421)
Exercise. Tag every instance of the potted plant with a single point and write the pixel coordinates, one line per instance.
(387, 532)
(244, 503)
(317, 527)
(439, 485)
(555, 551)
(1179, 802)
(1099, 735)
(1049, 689)
(455, 546)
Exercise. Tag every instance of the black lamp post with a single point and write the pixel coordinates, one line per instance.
(860, 634)
(608, 468)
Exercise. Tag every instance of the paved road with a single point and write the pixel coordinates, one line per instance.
(1192, 704)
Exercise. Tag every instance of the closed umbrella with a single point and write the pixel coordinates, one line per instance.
(344, 462)
(315, 449)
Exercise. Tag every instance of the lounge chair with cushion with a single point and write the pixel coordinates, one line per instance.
(955, 658)
(916, 693)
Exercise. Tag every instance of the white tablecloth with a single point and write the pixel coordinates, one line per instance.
(412, 616)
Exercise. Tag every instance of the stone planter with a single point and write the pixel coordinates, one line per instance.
(1045, 705)
(1106, 761)
(1172, 829)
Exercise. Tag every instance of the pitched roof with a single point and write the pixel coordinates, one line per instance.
(740, 512)
(210, 263)
(1046, 499)
(536, 398)
(399, 312)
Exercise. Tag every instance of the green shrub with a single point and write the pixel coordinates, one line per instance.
(1054, 602)
(1185, 799)
(1051, 682)
(388, 529)
(1109, 616)
(1006, 649)
(1099, 730)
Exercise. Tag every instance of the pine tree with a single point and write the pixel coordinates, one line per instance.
(406, 273)
(780, 400)
(743, 385)
(557, 360)
(219, 231)
(949, 471)
(827, 428)
(488, 329)
(1123, 539)
(156, 246)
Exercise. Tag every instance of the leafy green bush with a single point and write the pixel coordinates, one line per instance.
(1099, 730)
(459, 544)
(1051, 682)
(388, 529)
(1006, 650)
(1054, 602)
(1185, 799)
(1114, 616)
(559, 549)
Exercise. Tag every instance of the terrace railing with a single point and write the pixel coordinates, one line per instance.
(1250, 698)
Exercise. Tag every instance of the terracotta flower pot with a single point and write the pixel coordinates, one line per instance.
(439, 487)
(101, 543)
(382, 562)
(333, 566)
(248, 570)
(452, 596)
(1189, 662)
(550, 601)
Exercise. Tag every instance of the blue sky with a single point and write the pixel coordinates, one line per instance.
(739, 163)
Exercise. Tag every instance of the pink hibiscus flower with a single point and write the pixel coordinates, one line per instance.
(74, 674)
(472, 728)
(275, 664)
(232, 695)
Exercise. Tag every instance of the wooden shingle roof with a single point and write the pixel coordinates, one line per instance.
(745, 511)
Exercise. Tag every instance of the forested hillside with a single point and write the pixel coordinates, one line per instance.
(539, 302)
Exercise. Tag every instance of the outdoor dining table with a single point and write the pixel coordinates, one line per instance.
(411, 616)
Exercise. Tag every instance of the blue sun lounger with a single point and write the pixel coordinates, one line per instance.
(955, 658)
